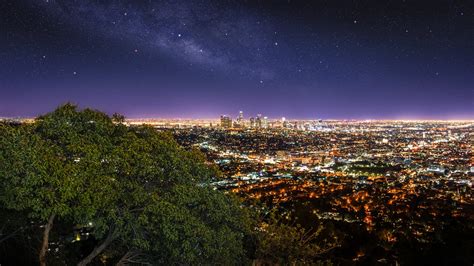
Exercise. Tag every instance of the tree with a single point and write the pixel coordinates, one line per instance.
(283, 243)
(52, 169)
(132, 187)
(118, 118)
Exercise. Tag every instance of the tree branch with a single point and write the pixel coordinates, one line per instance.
(10, 235)
(98, 249)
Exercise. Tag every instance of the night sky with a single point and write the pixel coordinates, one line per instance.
(200, 59)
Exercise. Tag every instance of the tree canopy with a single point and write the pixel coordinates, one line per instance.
(130, 187)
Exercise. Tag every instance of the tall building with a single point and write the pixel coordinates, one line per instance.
(240, 119)
(252, 122)
(284, 123)
(226, 122)
(265, 122)
(258, 121)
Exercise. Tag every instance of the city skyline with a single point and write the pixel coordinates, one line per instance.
(218, 116)
(318, 60)
(316, 118)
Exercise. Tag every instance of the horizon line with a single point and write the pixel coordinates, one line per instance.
(471, 120)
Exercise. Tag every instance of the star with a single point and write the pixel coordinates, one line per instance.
(239, 42)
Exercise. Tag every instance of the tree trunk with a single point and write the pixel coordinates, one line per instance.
(44, 245)
(98, 249)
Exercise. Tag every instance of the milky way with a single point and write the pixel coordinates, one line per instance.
(300, 59)
(200, 33)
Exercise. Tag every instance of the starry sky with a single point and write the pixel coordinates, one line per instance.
(327, 59)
